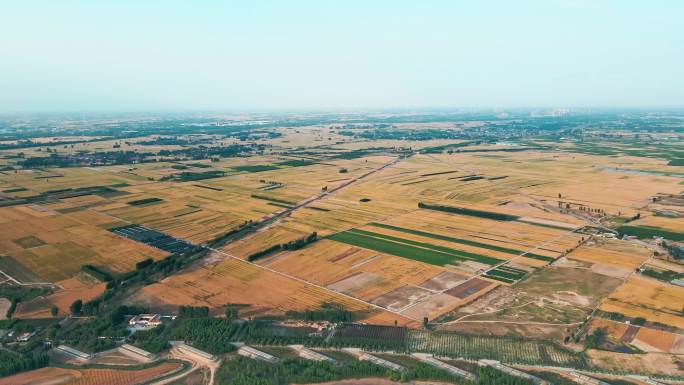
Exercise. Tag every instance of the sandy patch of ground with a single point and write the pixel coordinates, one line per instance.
(571, 297)
(443, 281)
(573, 263)
(433, 307)
(678, 345)
(649, 363)
(469, 288)
(611, 270)
(399, 298)
(355, 282)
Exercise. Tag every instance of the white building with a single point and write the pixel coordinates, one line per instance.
(145, 320)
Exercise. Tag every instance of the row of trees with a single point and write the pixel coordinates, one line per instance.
(244, 371)
(11, 363)
(292, 245)
(210, 334)
(328, 311)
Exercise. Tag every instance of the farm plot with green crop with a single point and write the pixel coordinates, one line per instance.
(506, 274)
(645, 232)
(406, 248)
(462, 241)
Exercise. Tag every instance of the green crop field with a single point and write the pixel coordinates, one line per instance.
(419, 251)
(506, 274)
(464, 254)
(462, 241)
(255, 167)
(650, 232)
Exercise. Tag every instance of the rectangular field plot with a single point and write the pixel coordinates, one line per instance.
(424, 252)
(371, 336)
(40, 244)
(153, 238)
(504, 349)
(468, 288)
(450, 344)
(507, 274)
(483, 245)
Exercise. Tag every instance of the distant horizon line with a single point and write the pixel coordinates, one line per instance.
(342, 110)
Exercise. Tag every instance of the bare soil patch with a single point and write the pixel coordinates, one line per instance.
(354, 282)
(443, 281)
(469, 288)
(401, 297)
(4, 307)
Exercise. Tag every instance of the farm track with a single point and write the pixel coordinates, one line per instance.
(482, 274)
(266, 268)
(273, 219)
(16, 281)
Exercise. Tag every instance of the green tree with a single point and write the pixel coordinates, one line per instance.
(76, 307)
(596, 338)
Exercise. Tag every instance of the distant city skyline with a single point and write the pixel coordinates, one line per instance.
(299, 55)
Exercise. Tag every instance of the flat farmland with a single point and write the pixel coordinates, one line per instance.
(653, 300)
(499, 242)
(53, 246)
(590, 180)
(43, 180)
(509, 235)
(420, 251)
(395, 283)
(611, 257)
(82, 286)
(60, 376)
(265, 291)
(545, 304)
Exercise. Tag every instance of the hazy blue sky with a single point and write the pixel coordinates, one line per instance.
(136, 55)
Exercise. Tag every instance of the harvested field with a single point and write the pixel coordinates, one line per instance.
(356, 281)
(61, 244)
(4, 307)
(220, 284)
(444, 281)
(653, 340)
(432, 307)
(653, 300)
(363, 274)
(59, 376)
(611, 254)
(400, 298)
(82, 286)
(469, 288)
(629, 334)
